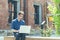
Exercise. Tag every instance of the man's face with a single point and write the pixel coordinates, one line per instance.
(20, 16)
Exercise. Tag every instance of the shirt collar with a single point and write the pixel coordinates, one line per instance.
(17, 20)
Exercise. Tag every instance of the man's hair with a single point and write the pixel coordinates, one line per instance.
(21, 12)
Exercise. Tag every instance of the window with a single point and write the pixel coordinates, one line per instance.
(36, 14)
(12, 9)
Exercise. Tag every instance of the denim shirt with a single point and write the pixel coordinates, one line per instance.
(16, 24)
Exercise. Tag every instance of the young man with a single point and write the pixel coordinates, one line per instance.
(16, 23)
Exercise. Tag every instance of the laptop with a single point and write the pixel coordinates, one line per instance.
(25, 29)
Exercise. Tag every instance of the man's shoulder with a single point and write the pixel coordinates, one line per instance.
(14, 20)
(23, 21)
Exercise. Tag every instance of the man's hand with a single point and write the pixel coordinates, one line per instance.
(15, 30)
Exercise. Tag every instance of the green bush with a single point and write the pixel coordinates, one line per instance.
(56, 10)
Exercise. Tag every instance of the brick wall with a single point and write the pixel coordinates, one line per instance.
(30, 7)
(30, 12)
(3, 14)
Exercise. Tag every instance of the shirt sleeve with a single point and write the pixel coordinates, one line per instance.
(12, 25)
(24, 22)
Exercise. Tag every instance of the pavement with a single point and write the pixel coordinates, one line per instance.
(1, 38)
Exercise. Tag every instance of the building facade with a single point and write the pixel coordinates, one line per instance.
(35, 11)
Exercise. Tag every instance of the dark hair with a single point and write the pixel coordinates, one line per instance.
(21, 12)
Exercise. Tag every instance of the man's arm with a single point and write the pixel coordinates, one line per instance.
(15, 30)
(13, 27)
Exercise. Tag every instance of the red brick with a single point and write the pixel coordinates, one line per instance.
(3, 14)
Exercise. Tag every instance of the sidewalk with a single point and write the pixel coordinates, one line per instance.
(1, 38)
(31, 38)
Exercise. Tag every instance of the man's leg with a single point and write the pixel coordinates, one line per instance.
(22, 36)
(16, 36)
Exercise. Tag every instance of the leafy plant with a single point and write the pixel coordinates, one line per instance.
(47, 32)
(55, 9)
